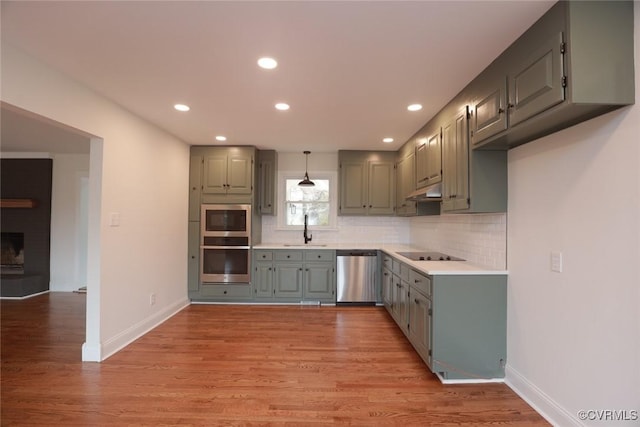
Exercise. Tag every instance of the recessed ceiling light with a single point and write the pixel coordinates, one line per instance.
(387, 140)
(181, 107)
(282, 106)
(221, 138)
(414, 107)
(267, 63)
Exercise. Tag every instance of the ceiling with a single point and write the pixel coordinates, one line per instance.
(349, 69)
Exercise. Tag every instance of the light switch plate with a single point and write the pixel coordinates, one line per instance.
(114, 219)
(556, 261)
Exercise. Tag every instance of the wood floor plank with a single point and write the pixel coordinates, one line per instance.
(216, 365)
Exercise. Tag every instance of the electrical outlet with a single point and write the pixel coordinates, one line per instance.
(556, 261)
(152, 299)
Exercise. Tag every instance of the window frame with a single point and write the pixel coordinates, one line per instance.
(333, 198)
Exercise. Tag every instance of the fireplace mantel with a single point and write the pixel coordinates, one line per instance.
(18, 203)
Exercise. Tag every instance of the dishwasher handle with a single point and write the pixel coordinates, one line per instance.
(355, 252)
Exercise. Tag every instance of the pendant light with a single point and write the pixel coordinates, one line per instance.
(306, 182)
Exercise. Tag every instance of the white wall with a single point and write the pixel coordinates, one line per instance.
(69, 222)
(137, 171)
(349, 229)
(574, 337)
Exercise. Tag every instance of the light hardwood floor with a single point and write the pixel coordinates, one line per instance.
(216, 365)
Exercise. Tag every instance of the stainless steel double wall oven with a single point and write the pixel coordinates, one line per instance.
(225, 243)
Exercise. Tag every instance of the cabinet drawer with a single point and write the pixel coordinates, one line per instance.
(226, 291)
(318, 255)
(387, 261)
(263, 255)
(404, 272)
(396, 265)
(420, 282)
(288, 255)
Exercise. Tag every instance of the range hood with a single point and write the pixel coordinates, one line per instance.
(432, 193)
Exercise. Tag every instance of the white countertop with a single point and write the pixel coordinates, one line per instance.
(428, 267)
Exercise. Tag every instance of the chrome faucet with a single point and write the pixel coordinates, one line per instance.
(307, 236)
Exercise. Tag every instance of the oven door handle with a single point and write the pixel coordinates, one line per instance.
(225, 247)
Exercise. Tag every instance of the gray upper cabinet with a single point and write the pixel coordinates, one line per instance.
(536, 82)
(366, 183)
(474, 181)
(405, 184)
(490, 116)
(455, 162)
(195, 186)
(574, 63)
(429, 159)
(228, 171)
(268, 169)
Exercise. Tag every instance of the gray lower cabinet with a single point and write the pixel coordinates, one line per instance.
(420, 323)
(294, 275)
(193, 263)
(456, 323)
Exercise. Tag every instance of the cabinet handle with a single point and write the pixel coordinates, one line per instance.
(416, 301)
(417, 281)
(306, 269)
(500, 110)
(288, 256)
(364, 206)
(370, 206)
(193, 257)
(319, 256)
(225, 292)
(300, 269)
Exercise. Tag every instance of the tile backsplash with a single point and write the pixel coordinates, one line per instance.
(351, 229)
(479, 238)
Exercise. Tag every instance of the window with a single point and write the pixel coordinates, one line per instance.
(315, 202)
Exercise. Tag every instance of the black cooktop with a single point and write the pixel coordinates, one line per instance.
(429, 256)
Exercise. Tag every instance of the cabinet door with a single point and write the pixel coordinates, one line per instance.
(536, 82)
(193, 263)
(489, 115)
(381, 188)
(353, 189)
(214, 176)
(422, 165)
(455, 149)
(406, 184)
(288, 280)
(318, 281)
(267, 184)
(387, 289)
(263, 280)
(239, 172)
(400, 299)
(434, 158)
(420, 324)
(195, 184)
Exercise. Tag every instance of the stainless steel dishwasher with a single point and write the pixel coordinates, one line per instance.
(357, 277)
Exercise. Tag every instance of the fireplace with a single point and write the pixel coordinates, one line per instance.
(25, 229)
(12, 253)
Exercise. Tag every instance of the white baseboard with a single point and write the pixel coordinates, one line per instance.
(539, 400)
(26, 296)
(126, 337)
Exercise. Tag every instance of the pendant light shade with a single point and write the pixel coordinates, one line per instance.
(306, 182)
